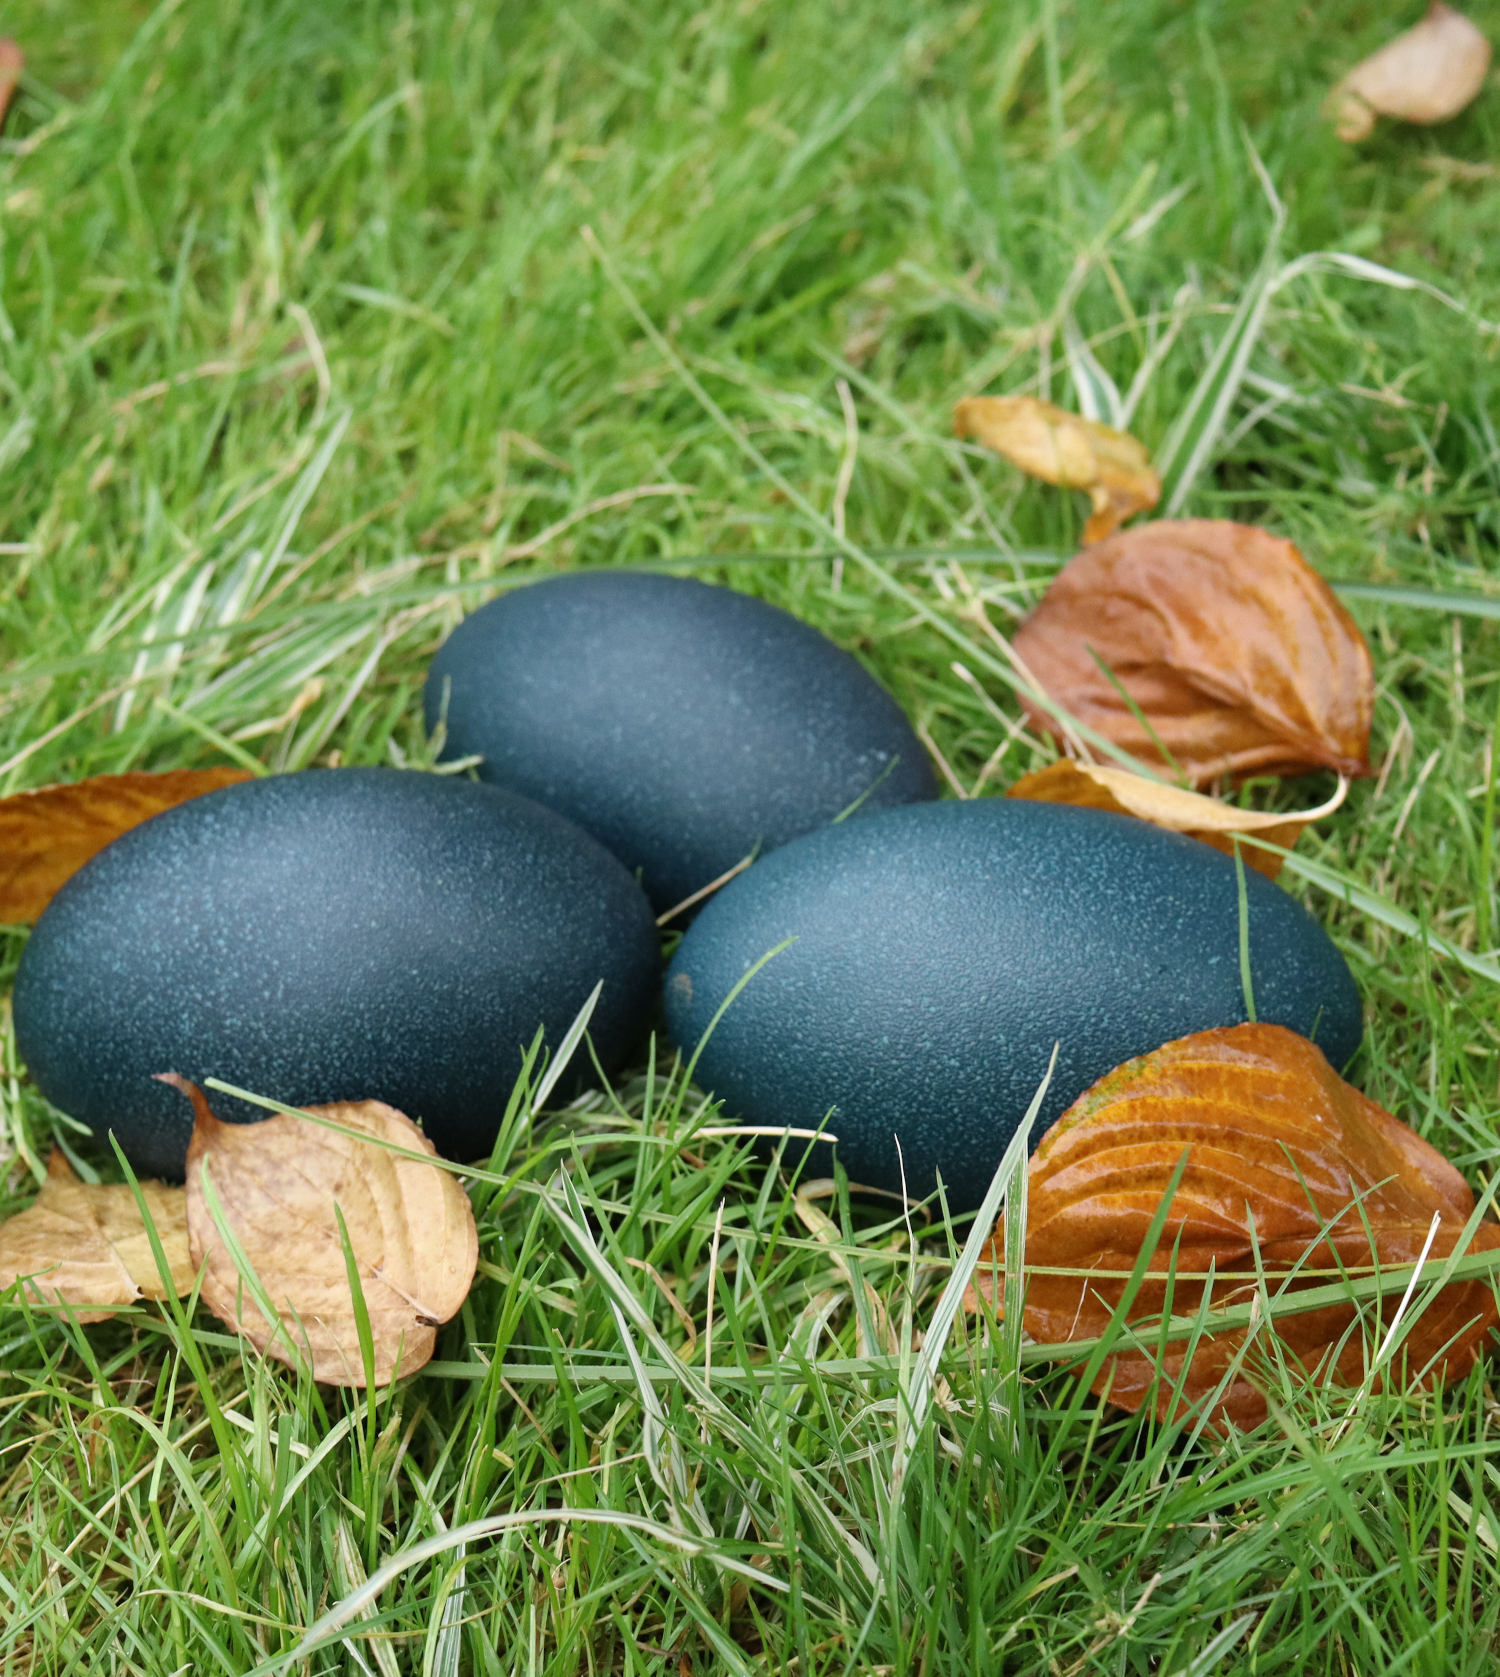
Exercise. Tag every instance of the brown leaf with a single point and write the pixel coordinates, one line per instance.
(410, 1224)
(47, 835)
(12, 62)
(1058, 447)
(1426, 75)
(85, 1243)
(1283, 1158)
(1093, 786)
(1233, 649)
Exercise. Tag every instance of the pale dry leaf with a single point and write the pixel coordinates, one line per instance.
(47, 835)
(85, 1244)
(1289, 1168)
(1426, 75)
(278, 1182)
(12, 62)
(1210, 820)
(1058, 447)
(1203, 646)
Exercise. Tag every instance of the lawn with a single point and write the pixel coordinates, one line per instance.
(319, 324)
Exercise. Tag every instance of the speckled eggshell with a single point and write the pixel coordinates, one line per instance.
(940, 952)
(332, 935)
(683, 725)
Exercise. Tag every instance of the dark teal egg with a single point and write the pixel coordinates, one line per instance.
(683, 725)
(942, 950)
(340, 934)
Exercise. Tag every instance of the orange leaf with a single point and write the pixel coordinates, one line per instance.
(1428, 74)
(281, 1184)
(85, 1243)
(11, 65)
(1058, 447)
(1225, 640)
(47, 835)
(1284, 1160)
(1211, 820)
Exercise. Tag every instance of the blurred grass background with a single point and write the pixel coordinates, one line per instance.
(303, 352)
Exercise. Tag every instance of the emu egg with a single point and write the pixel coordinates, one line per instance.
(339, 934)
(683, 725)
(940, 953)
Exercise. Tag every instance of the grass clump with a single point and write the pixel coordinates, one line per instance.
(304, 351)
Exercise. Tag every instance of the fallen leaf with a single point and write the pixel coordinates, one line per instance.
(1093, 786)
(85, 1243)
(1233, 654)
(12, 62)
(1058, 447)
(47, 835)
(1426, 75)
(1285, 1161)
(280, 1183)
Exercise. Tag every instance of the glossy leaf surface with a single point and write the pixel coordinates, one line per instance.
(1290, 1174)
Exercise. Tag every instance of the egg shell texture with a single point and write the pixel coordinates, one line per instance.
(682, 724)
(940, 952)
(331, 935)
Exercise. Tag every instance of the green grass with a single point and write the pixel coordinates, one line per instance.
(304, 351)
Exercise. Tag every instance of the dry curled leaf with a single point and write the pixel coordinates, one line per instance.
(1286, 1163)
(1058, 447)
(1426, 75)
(1212, 642)
(280, 1185)
(47, 835)
(1093, 786)
(85, 1243)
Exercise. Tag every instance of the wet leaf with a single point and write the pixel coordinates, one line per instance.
(1233, 654)
(1058, 447)
(12, 62)
(1426, 75)
(1093, 786)
(47, 835)
(85, 1243)
(1285, 1161)
(279, 1182)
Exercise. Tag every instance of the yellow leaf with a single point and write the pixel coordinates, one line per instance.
(1426, 75)
(1091, 786)
(1058, 447)
(85, 1244)
(1291, 1177)
(47, 835)
(281, 1184)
